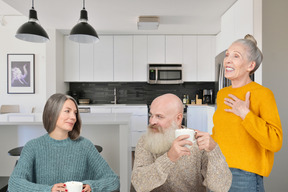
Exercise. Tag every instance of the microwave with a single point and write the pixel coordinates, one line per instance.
(165, 74)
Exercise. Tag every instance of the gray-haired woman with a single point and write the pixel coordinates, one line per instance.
(61, 155)
(247, 126)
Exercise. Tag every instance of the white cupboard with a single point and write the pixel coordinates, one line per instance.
(189, 58)
(156, 48)
(140, 57)
(200, 117)
(235, 24)
(174, 49)
(86, 62)
(123, 59)
(71, 60)
(103, 59)
(206, 58)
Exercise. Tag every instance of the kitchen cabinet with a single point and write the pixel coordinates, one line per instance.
(71, 60)
(199, 58)
(200, 117)
(123, 58)
(189, 58)
(78, 61)
(140, 57)
(156, 48)
(174, 49)
(206, 58)
(86, 62)
(103, 59)
(235, 24)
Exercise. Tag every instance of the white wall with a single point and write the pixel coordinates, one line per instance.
(275, 69)
(48, 80)
(9, 44)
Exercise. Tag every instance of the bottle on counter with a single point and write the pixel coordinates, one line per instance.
(187, 99)
(184, 99)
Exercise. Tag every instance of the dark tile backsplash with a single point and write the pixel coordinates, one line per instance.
(133, 93)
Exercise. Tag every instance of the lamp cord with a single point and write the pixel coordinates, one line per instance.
(32, 4)
(83, 4)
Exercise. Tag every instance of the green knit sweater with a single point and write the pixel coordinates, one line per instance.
(45, 161)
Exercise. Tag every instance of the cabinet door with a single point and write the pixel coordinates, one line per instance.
(197, 118)
(189, 58)
(71, 60)
(206, 58)
(174, 48)
(86, 62)
(103, 59)
(123, 58)
(156, 49)
(243, 20)
(140, 58)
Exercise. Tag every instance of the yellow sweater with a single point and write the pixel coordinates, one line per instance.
(249, 144)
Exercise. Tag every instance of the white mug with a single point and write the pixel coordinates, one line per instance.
(187, 131)
(74, 186)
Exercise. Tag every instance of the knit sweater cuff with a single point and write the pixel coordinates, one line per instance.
(215, 154)
(164, 163)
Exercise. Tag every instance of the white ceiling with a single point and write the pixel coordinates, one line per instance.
(121, 16)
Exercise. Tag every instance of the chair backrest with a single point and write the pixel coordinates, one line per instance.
(9, 109)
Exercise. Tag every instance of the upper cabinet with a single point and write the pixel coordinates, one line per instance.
(174, 49)
(71, 60)
(235, 24)
(140, 57)
(124, 58)
(190, 58)
(206, 58)
(86, 62)
(156, 48)
(103, 59)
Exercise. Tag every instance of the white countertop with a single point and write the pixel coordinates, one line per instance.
(87, 118)
(113, 105)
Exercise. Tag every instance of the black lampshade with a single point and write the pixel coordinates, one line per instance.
(32, 31)
(82, 32)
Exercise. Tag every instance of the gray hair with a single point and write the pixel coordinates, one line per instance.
(254, 53)
(52, 110)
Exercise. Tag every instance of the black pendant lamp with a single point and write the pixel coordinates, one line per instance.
(82, 32)
(32, 30)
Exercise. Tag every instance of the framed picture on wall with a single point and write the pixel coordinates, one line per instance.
(20, 73)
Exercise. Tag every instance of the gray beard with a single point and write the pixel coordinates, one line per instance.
(160, 142)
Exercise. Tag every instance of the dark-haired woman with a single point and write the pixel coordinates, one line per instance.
(247, 126)
(61, 155)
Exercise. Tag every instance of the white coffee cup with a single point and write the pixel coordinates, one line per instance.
(187, 131)
(74, 186)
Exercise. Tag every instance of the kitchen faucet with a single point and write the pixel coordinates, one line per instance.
(115, 96)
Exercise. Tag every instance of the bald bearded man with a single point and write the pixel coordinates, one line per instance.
(164, 164)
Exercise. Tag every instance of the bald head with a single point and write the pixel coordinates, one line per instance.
(168, 108)
(169, 102)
